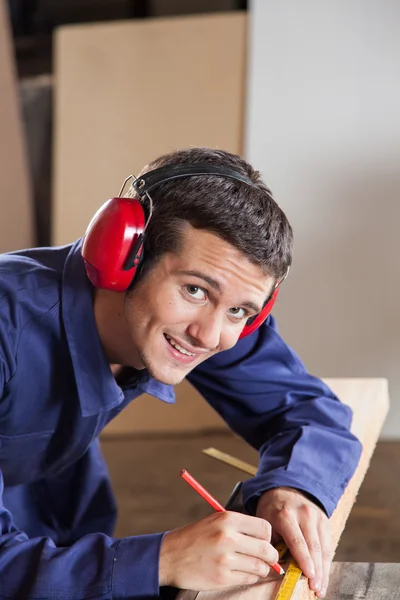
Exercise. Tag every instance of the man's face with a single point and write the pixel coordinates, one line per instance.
(192, 305)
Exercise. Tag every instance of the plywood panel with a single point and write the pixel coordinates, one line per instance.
(125, 93)
(16, 224)
(369, 400)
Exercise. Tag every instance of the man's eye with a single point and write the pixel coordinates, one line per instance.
(237, 312)
(196, 292)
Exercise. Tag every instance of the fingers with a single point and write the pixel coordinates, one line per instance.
(239, 578)
(317, 535)
(253, 551)
(305, 529)
(243, 551)
(314, 545)
(295, 541)
(252, 526)
(310, 545)
(258, 549)
(252, 536)
(249, 564)
(325, 536)
(234, 568)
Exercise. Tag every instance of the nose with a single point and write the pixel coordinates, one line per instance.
(207, 329)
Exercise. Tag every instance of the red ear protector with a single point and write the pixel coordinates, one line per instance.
(254, 322)
(112, 247)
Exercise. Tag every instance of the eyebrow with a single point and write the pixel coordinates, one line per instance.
(218, 288)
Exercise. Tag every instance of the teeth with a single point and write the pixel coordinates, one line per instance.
(178, 346)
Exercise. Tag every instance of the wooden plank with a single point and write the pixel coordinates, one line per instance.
(16, 222)
(369, 581)
(191, 413)
(369, 400)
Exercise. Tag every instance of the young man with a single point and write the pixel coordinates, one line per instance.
(175, 281)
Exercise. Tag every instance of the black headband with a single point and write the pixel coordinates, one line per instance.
(152, 179)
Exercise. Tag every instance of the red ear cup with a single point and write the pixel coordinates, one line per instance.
(109, 240)
(260, 318)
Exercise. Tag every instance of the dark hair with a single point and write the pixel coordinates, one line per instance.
(245, 216)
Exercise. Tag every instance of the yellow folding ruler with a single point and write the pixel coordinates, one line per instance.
(293, 573)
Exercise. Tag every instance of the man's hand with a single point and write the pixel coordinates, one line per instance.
(221, 550)
(305, 529)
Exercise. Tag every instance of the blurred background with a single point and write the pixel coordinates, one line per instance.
(34, 21)
(309, 93)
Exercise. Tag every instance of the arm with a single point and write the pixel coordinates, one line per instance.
(221, 550)
(301, 429)
(302, 432)
(95, 566)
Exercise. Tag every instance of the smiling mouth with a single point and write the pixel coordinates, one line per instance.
(177, 346)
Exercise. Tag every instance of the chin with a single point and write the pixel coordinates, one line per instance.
(166, 377)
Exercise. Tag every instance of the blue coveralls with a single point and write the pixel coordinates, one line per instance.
(57, 392)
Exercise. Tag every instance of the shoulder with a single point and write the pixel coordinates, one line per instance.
(27, 272)
(30, 286)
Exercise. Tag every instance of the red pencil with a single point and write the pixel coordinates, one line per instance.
(214, 503)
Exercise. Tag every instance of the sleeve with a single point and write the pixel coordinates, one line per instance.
(95, 566)
(300, 428)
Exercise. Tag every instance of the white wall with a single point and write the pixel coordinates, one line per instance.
(323, 125)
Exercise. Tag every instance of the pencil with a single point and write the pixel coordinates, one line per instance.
(214, 503)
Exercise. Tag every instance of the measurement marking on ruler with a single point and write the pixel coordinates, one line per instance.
(289, 584)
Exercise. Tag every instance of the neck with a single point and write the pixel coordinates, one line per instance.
(108, 308)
